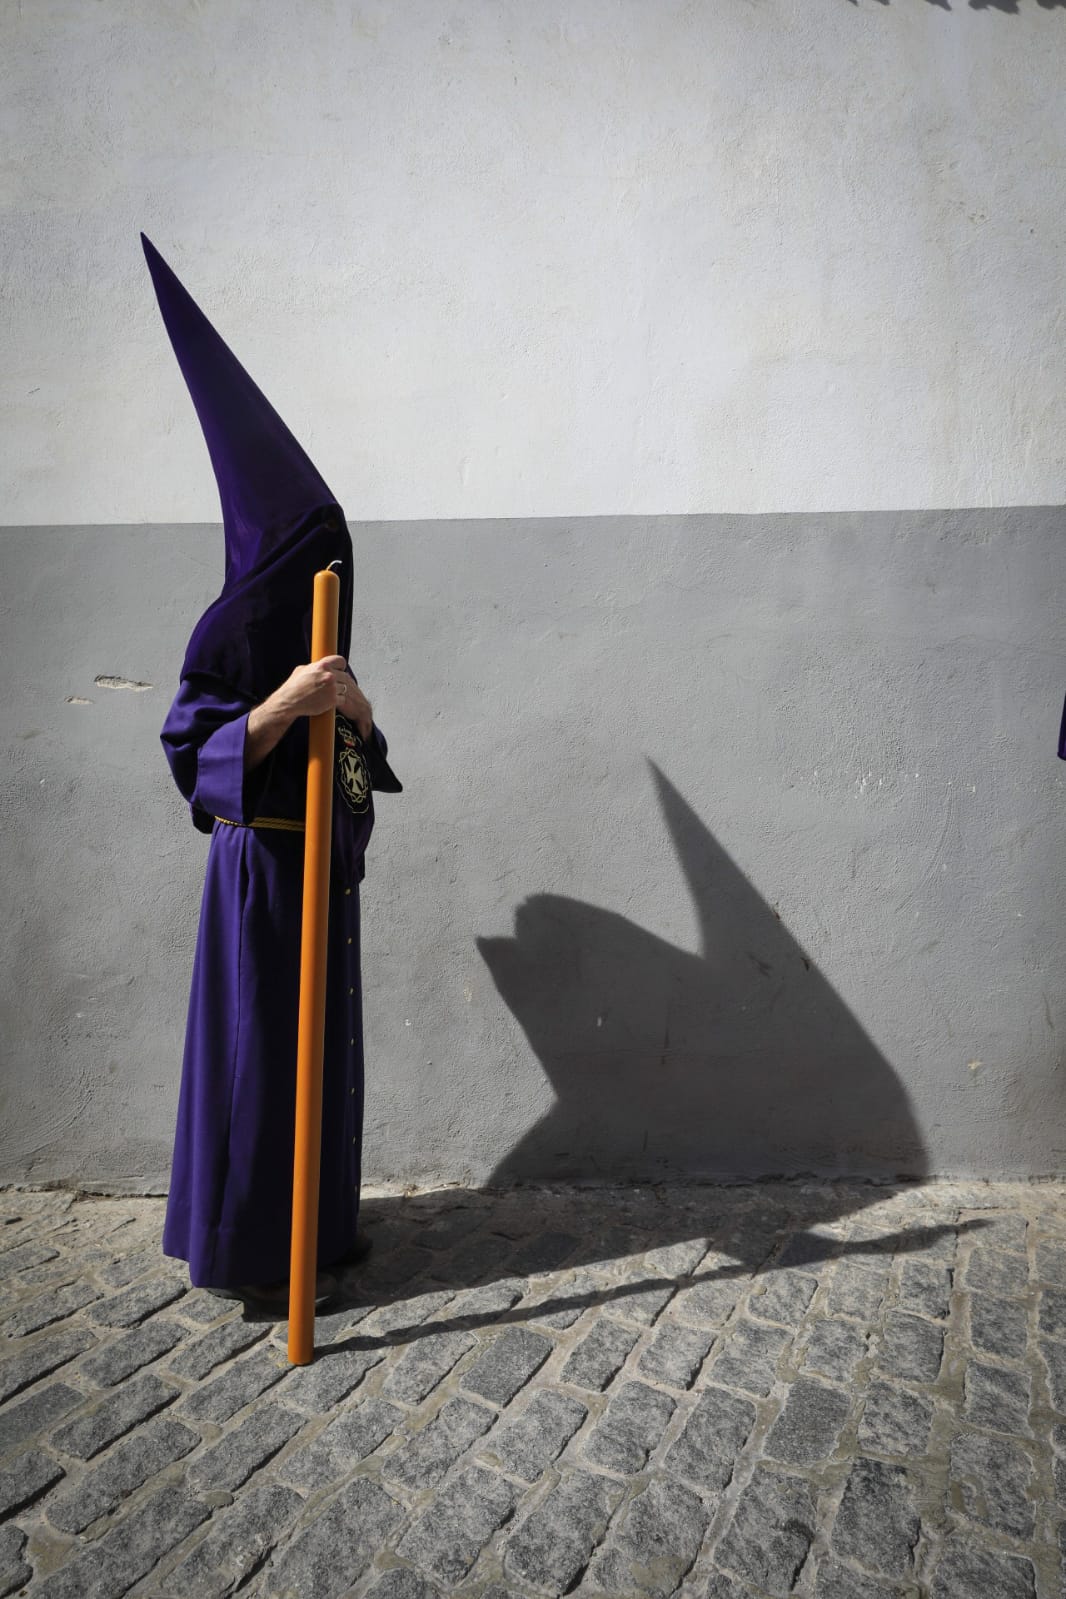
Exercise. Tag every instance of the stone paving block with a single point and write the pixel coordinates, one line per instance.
(783, 1297)
(895, 1421)
(330, 1324)
(201, 1305)
(997, 1398)
(615, 1243)
(811, 1248)
(28, 1363)
(125, 1270)
(809, 1426)
(938, 1238)
(877, 1524)
(528, 1445)
(966, 1571)
(926, 1288)
(133, 1403)
(195, 1360)
(396, 1268)
(552, 1547)
(431, 1453)
(993, 1477)
(750, 1357)
(404, 1584)
(43, 1206)
(121, 1358)
(871, 1256)
(1052, 1312)
(57, 1274)
(47, 1308)
(998, 1326)
(642, 1304)
(676, 1354)
(242, 1450)
(236, 1543)
(835, 1348)
(22, 1422)
(334, 1373)
(25, 1478)
(600, 1355)
(1051, 1263)
(569, 1302)
(222, 1396)
(349, 1438)
(422, 1366)
(754, 1237)
(994, 1271)
(543, 1252)
(720, 1586)
(710, 1301)
(770, 1535)
(854, 1290)
(100, 1491)
(24, 1257)
(410, 1311)
(110, 1566)
(479, 1305)
(15, 1569)
(630, 1428)
(330, 1554)
(1054, 1358)
(1008, 1231)
(507, 1365)
(675, 1260)
(480, 1256)
(448, 1230)
(142, 1300)
(836, 1581)
(654, 1543)
(910, 1347)
(447, 1539)
(714, 1435)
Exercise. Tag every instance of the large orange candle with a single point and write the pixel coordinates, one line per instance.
(312, 1020)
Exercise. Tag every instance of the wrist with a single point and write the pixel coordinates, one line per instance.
(281, 707)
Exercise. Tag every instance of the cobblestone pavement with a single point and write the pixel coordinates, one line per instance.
(841, 1392)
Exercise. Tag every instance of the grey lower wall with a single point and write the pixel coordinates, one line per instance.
(731, 845)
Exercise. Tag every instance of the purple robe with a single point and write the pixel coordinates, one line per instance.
(229, 1213)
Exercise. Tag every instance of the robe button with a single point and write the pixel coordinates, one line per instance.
(349, 941)
(351, 990)
(347, 890)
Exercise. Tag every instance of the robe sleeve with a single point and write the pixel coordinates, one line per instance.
(382, 778)
(203, 740)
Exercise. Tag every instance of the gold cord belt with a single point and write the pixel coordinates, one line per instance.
(280, 824)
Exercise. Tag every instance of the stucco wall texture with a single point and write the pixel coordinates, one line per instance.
(730, 845)
(577, 257)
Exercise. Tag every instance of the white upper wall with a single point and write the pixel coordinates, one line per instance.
(552, 258)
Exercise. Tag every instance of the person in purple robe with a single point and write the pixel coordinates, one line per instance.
(236, 738)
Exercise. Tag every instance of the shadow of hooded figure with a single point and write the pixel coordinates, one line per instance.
(738, 1061)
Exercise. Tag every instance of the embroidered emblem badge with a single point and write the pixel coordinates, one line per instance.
(353, 779)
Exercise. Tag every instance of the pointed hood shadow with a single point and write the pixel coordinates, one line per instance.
(738, 1061)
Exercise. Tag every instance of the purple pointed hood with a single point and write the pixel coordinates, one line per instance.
(282, 523)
